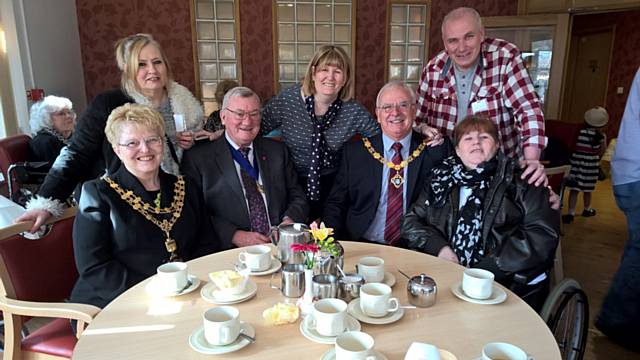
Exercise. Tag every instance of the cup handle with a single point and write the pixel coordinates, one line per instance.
(311, 322)
(395, 306)
(271, 282)
(242, 257)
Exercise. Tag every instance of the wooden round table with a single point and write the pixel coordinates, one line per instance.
(138, 326)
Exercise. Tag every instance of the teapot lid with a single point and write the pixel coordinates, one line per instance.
(293, 229)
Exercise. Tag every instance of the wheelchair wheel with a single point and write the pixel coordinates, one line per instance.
(566, 312)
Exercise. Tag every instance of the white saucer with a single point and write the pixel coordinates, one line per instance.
(312, 334)
(210, 293)
(388, 279)
(275, 266)
(529, 357)
(331, 355)
(354, 310)
(200, 344)
(497, 295)
(153, 287)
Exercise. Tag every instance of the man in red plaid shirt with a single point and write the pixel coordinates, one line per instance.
(474, 75)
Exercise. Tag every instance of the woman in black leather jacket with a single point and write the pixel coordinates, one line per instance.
(476, 211)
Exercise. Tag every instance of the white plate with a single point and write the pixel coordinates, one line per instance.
(528, 358)
(497, 295)
(210, 293)
(153, 287)
(354, 310)
(331, 355)
(275, 266)
(200, 344)
(312, 334)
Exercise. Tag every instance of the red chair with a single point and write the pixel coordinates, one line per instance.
(36, 276)
(13, 149)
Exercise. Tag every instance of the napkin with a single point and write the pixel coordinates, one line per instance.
(422, 351)
(9, 211)
(281, 313)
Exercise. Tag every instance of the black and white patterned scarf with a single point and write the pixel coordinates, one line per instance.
(57, 135)
(321, 156)
(452, 174)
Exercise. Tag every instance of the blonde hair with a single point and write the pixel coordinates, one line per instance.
(140, 115)
(334, 56)
(128, 59)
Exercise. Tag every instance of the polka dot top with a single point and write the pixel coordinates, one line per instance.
(287, 112)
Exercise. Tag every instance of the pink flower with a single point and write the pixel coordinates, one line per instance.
(313, 248)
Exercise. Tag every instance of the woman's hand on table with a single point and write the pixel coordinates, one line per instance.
(447, 254)
(246, 238)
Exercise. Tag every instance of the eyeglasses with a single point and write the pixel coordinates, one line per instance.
(240, 114)
(151, 141)
(401, 106)
(65, 112)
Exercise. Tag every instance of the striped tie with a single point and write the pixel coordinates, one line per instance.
(257, 210)
(394, 201)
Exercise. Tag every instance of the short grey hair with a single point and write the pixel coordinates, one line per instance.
(396, 84)
(460, 12)
(239, 91)
(40, 113)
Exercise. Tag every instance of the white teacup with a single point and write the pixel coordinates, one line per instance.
(371, 268)
(502, 351)
(256, 257)
(328, 317)
(221, 325)
(172, 276)
(376, 300)
(354, 345)
(422, 351)
(477, 283)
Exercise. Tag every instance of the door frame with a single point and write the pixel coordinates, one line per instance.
(562, 26)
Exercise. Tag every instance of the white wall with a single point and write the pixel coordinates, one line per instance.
(48, 52)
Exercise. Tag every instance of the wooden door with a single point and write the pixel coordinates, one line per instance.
(589, 59)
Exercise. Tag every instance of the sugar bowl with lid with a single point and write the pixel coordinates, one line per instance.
(422, 291)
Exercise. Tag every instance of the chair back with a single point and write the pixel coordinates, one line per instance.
(556, 177)
(13, 149)
(38, 270)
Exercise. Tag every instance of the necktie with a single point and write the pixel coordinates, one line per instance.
(257, 210)
(394, 201)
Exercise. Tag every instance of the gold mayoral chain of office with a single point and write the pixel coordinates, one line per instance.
(396, 180)
(149, 210)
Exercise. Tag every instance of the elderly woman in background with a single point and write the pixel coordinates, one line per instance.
(134, 219)
(475, 210)
(146, 79)
(52, 121)
(214, 123)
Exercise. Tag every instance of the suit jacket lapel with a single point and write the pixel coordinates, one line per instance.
(415, 167)
(227, 168)
(376, 141)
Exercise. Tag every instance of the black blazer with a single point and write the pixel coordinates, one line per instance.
(354, 198)
(116, 247)
(212, 168)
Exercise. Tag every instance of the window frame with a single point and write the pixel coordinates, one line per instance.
(275, 37)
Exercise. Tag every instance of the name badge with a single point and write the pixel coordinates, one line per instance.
(479, 106)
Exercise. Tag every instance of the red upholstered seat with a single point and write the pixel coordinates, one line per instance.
(55, 338)
(13, 149)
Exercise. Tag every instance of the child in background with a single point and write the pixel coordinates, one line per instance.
(585, 162)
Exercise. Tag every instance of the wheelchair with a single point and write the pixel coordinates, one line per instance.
(566, 313)
(28, 176)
